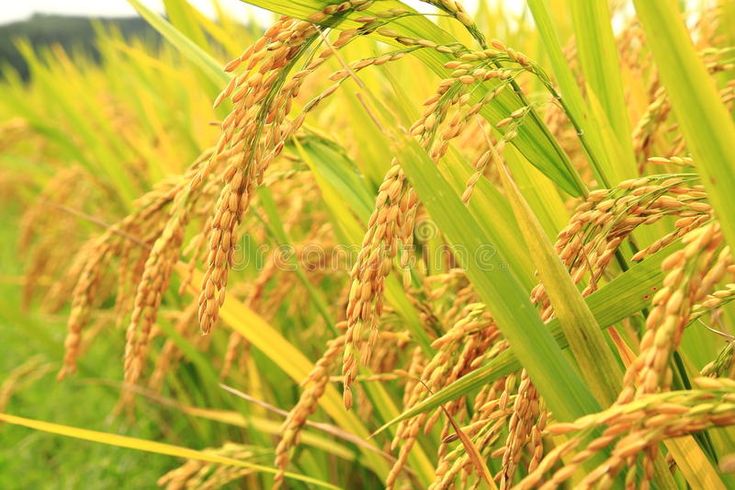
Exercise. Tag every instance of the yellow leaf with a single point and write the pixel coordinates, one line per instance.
(147, 446)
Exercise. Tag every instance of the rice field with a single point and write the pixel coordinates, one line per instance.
(373, 244)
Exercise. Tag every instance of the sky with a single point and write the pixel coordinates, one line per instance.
(14, 10)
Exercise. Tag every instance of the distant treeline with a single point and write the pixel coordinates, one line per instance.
(70, 32)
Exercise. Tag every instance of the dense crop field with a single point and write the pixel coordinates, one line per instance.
(370, 246)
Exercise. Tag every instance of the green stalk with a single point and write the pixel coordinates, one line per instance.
(598, 366)
(704, 120)
(572, 101)
(598, 55)
(555, 378)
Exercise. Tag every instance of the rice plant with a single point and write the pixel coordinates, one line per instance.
(376, 244)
